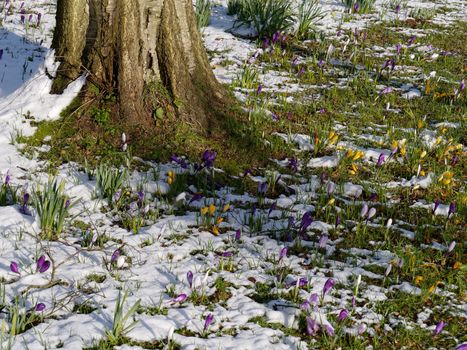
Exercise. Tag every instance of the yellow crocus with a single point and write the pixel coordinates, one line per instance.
(331, 201)
(204, 210)
(358, 155)
(226, 207)
(457, 265)
(215, 230)
(423, 155)
(420, 124)
(219, 220)
(418, 279)
(433, 287)
(403, 151)
(212, 209)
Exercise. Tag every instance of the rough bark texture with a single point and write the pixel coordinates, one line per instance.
(125, 45)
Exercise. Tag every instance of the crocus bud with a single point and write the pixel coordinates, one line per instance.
(40, 307)
(14, 267)
(208, 321)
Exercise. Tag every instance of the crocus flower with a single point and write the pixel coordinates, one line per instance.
(208, 158)
(313, 298)
(40, 307)
(300, 72)
(322, 241)
(364, 210)
(306, 221)
(1, 53)
(208, 321)
(14, 267)
(115, 255)
(398, 48)
(388, 270)
(439, 328)
(371, 213)
(389, 223)
(330, 188)
(385, 91)
(462, 86)
(260, 88)
(262, 188)
(362, 328)
(462, 346)
(338, 220)
(311, 326)
(397, 9)
(293, 164)
(452, 209)
(451, 247)
(454, 160)
(342, 315)
(180, 299)
(39, 17)
(380, 160)
(189, 277)
(329, 330)
(328, 285)
(272, 207)
(436, 205)
(238, 235)
(282, 253)
(42, 264)
(411, 40)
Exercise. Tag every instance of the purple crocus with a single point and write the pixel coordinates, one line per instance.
(208, 158)
(1, 53)
(330, 188)
(115, 256)
(272, 207)
(180, 299)
(338, 220)
(39, 17)
(364, 210)
(42, 264)
(436, 205)
(362, 328)
(238, 235)
(411, 40)
(454, 160)
(189, 277)
(262, 188)
(386, 90)
(40, 307)
(328, 285)
(356, 7)
(282, 253)
(452, 209)
(462, 86)
(306, 221)
(293, 164)
(329, 330)
(7, 179)
(462, 346)
(260, 88)
(14, 267)
(322, 241)
(208, 321)
(311, 326)
(380, 160)
(22, 18)
(342, 315)
(371, 213)
(439, 328)
(398, 48)
(313, 299)
(397, 9)
(300, 72)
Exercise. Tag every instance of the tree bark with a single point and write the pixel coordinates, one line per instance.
(127, 45)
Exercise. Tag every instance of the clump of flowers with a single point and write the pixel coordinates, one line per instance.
(212, 216)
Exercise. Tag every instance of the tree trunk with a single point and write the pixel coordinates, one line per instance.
(127, 45)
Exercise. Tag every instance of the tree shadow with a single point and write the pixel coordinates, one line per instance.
(20, 60)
